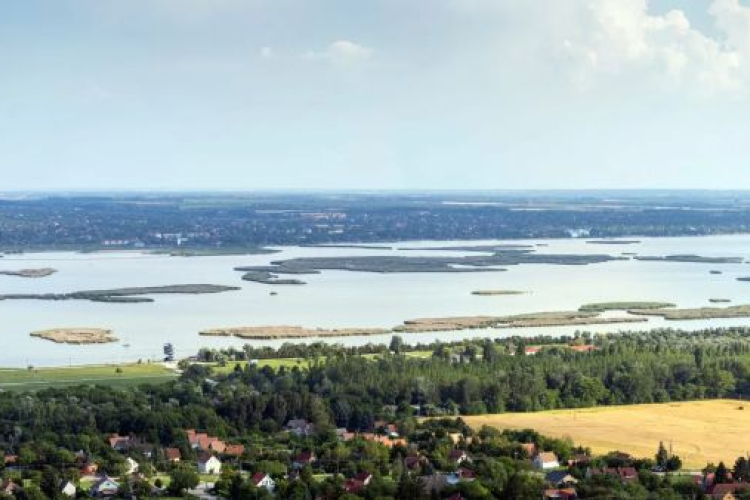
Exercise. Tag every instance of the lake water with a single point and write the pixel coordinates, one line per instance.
(343, 298)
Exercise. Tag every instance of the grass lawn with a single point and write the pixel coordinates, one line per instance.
(42, 378)
(276, 363)
(699, 431)
(273, 363)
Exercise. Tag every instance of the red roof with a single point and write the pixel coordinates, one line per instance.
(384, 440)
(583, 348)
(530, 448)
(234, 450)
(720, 490)
(564, 493)
(467, 474)
(172, 453)
(353, 486)
(258, 477)
(363, 476)
(624, 473)
(305, 457)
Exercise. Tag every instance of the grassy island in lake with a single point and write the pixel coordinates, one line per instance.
(288, 332)
(623, 306)
(31, 273)
(742, 311)
(76, 335)
(692, 258)
(125, 295)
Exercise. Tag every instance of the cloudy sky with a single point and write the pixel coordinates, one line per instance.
(382, 94)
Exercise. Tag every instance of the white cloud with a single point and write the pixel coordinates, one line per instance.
(601, 44)
(342, 53)
(622, 41)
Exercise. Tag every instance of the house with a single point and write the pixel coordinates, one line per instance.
(530, 351)
(208, 464)
(626, 474)
(11, 459)
(546, 460)
(456, 437)
(560, 478)
(203, 442)
(579, 459)
(529, 449)
(353, 486)
(583, 348)
(172, 454)
(119, 443)
(263, 480)
(105, 487)
(347, 436)
(234, 450)
(384, 440)
(89, 468)
(9, 487)
(465, 474)
(458, 457)
(302, 459)
(560, 494)
(728, 491)
(131, 466)
(215, 444)
(300, 427)
(357, 483)
(415, 461)
(434, 484)
(364, 478)
(68, 489)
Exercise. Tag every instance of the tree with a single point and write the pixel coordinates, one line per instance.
(721, 476)
(182, 478)
(397, 343)
(489, 353)
(662, 455)
(409, 488)
(674, 463)
(742, 470)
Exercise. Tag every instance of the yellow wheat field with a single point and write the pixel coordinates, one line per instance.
(699, 431)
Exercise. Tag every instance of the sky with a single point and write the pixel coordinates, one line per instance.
(374, 94)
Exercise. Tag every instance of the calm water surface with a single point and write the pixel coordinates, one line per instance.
(342, 298)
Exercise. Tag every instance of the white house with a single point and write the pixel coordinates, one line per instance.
(105, 487)
(131, 466)
(68, 489)
(263, 480)
(209, 464)
(546, 460)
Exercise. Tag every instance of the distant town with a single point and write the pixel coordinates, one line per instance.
(212, 222)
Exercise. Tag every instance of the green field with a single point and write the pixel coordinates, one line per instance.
(277, 363)
(16, 379)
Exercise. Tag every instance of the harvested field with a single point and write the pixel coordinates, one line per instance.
(699, 431)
